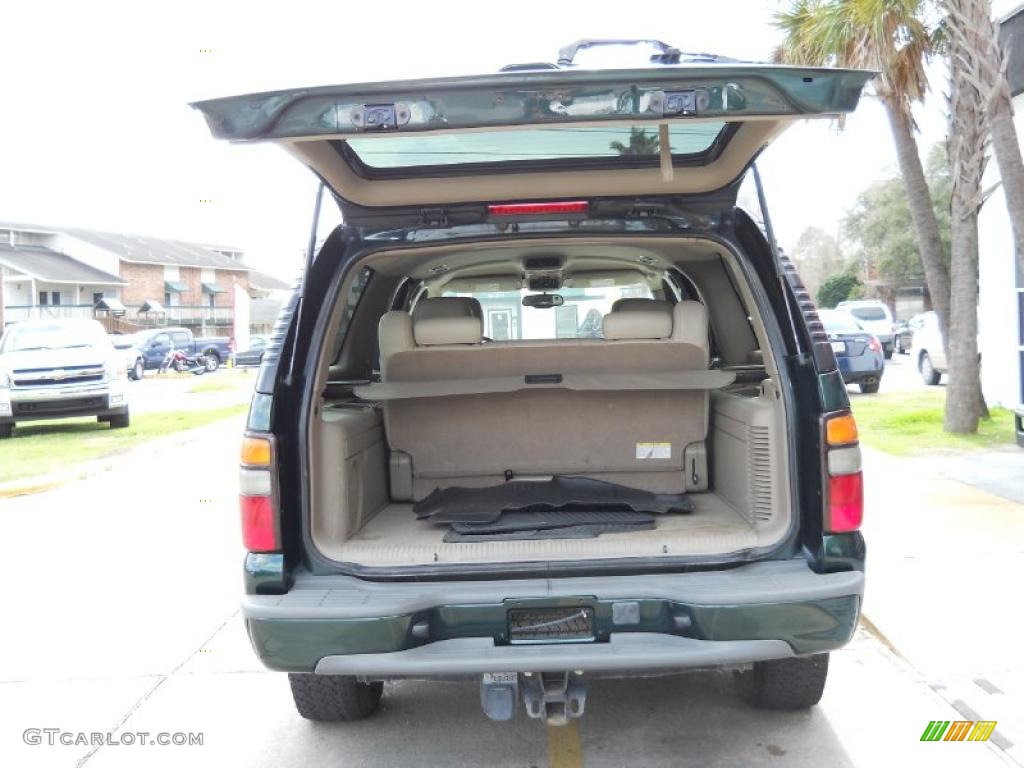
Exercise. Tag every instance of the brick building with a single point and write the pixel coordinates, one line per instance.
(126, 280)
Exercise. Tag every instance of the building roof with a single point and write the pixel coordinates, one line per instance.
(145, 249)
(156, 250)
(261, 281)
(53, 267)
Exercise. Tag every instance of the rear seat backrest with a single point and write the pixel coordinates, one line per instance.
(637, 437)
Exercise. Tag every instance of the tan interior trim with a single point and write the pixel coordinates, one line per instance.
(582, 382)
(748, 140)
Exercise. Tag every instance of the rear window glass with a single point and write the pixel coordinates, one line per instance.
(868, 313)
(580, 316)
(839, 322)
(568, 143)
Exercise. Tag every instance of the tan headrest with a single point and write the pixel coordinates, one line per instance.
(641, 305)
(448, 330)
(446, 306)
(690, 325)
(394, 334)
(646, 324)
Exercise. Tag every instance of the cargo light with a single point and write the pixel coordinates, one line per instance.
(538, 209)
(257, 499)
(844, 502)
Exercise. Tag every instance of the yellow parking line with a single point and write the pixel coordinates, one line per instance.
(564, 750)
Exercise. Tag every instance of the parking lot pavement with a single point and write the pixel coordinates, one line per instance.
(943, 557)
(123, 618)
(900, 375)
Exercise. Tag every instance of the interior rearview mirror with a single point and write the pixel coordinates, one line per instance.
(543, 300)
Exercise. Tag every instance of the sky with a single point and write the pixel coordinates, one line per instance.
(96, 131)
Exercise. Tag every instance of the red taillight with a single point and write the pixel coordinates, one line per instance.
(258, 500)
(259, 527)
(875, 346)
(537, 209)
(845, 503)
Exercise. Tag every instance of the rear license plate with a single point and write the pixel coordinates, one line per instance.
(548, 625)
(839, 347)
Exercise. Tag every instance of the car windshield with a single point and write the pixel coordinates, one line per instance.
(867, 313)
(560, 143)
(579, 317)
(839, 322)
(55, 335)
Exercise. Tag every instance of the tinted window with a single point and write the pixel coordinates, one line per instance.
(580, 317)
(555, 143)
(839, 322)
(868, 313)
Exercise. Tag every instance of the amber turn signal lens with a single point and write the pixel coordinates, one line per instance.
(256, 451)
(840, 430)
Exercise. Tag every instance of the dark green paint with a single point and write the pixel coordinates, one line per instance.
(834, 396)
(296, 645)
(265, 574)
(561, 97)
(843, 552)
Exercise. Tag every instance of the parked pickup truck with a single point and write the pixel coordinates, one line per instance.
(51, 369)
(153, 345)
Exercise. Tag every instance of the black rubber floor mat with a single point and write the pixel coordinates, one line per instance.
(567, 532)
(485, 505)
(509, 522)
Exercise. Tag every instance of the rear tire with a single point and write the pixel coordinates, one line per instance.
(784, 683)
(138, 370)
(928, 373)
(887, 352)
(212, 361)
(870, 388)
(120, 421)
(6, 430)
(334, 698)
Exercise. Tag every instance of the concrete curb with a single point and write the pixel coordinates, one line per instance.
(42, 483)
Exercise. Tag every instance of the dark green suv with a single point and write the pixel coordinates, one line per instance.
(550, 404)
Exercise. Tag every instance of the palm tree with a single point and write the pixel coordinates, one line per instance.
(970, 28)
(640, 143)
(967, 145)
(891, 37)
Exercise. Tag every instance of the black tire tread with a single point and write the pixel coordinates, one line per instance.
(119, 421)
(334, 698)
(796, 683)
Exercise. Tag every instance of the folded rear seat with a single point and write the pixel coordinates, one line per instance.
(651, 439)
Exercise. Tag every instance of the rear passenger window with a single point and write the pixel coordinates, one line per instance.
(585, 302)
